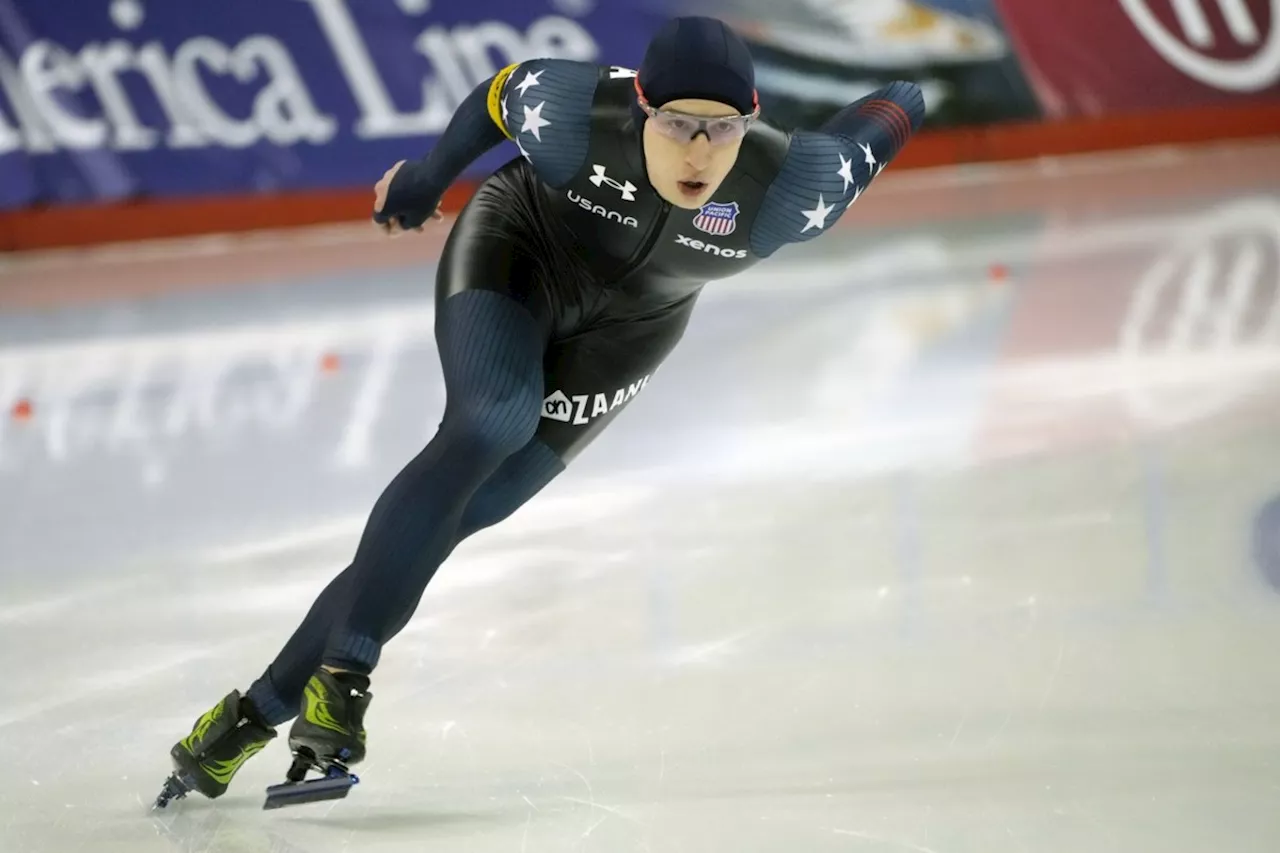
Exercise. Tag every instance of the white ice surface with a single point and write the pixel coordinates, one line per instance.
(855, 573)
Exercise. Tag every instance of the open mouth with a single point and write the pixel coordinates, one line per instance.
(692, 188)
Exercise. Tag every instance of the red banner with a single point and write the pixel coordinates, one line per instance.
(1094, 57)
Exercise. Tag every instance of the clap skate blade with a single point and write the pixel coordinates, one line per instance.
(335, 784)
(175, 788)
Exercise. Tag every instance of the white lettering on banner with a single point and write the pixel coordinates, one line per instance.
(154, 65)
(1195, 23)
(282, 112)
(435, 44)
(283, 109)
(213, 55)
(29, 135)
(462, 57)
(104, 64)
(48, 71)
(475, 43)
(1186, 50)
(378, 115)
(127, 14)
(49, 84)
(58, 99)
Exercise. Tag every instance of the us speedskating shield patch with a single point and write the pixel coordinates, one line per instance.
(718, 219)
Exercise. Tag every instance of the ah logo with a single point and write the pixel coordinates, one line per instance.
(559, 406)
(718, 219)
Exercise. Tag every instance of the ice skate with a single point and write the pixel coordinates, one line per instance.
(328, 737)
(221, 741)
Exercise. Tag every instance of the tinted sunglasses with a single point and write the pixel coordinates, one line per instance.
(682, 127)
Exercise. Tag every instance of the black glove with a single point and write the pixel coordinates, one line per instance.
(411, 198)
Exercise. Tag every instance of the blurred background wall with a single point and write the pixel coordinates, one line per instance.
(128, 119)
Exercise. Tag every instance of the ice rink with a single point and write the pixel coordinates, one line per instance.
(935, 535)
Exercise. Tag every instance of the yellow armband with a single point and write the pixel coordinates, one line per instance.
(495, 98)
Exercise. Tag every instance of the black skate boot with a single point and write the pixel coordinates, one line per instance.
(328, 736)
(221, 741)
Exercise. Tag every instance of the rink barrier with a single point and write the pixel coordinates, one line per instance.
(1067, 189)
(86, 225)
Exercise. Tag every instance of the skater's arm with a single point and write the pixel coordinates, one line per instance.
(543, 105)
(418, 184)
(827, 170)
(880, 124)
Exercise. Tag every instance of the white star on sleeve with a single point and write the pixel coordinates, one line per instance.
(534, 122)
(504, 109)
(523, 153)
(530, 79)
(866, 149)
(817, 218)
(846, 171)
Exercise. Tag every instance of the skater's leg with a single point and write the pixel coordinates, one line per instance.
(491, 351)
(277, 694)
(491, 251)
(493, 320)
(614, 360)
(328, 735)
(519, 479)
(606, 365)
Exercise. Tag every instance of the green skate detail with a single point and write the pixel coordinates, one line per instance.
(222, 771)
(317, 711)
(221, 741)
(330, 726)
(198, 732)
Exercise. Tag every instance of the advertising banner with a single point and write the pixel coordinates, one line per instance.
(1098, 57)
(109, 99)
(985, 61)
(815, 56)
(104, 100)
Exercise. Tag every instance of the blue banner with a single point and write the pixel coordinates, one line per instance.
(109, 99)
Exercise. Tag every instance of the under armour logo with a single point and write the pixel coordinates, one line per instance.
(627, 189)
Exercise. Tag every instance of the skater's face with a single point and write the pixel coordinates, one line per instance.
(688, 171)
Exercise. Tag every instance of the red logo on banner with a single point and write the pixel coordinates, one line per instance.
(1092, 57)
(1228, 44)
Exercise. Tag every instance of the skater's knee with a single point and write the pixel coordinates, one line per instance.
(485, 510)
(493, 429)
(520, 479)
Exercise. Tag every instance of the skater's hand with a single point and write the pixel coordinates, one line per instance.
(394, 222)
